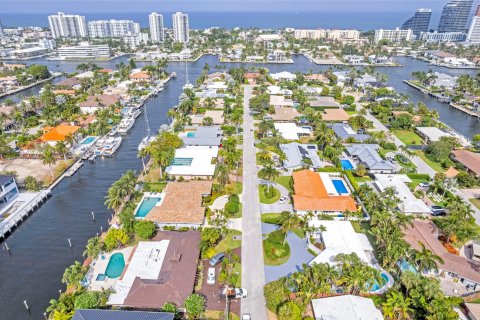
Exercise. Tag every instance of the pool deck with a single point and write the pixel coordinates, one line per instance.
(99, 266)
(160, 195)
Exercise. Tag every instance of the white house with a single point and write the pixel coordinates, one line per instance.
(193, 161)
(291, 131)
(285, 75)
(346, 307)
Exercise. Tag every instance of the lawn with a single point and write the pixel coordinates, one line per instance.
(154, 186)
(435, 165)
(408, 137)
(272, 218)
(237, 187)
(228, 243)
(475, 202)
(285, 181)
(268, 198)
(217, 315)
(362, 179)
(275, 252)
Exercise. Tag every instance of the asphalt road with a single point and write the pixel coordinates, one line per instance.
(253, 272)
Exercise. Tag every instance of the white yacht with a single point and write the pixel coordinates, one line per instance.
(187, 84)
(113, 131)
(125, 125)
(133, 113)
(111, 146)
(145, 142)
(99, 145)
(147, 137)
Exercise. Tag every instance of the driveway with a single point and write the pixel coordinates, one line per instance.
(298, 255)
(253, 273)
(277, 206)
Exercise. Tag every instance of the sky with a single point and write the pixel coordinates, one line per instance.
(98, 6)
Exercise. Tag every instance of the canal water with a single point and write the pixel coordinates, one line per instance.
(39, 247)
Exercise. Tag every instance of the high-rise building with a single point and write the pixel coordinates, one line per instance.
(396, 35)
(112, 28)
(455, 16)
(419, 22)
(67, 26)
(180, 27)
(473, 36)
(1, 30)
(157, 33)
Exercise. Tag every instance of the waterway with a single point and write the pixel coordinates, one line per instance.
(39, 247)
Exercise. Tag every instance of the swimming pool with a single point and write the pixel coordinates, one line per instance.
(376, 286)
(88, 140)
(346, 164)
(147, 205)
(115, 266)
(340, 186)
(191, 135)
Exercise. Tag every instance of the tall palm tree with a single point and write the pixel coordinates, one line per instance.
(268, 173)
(426, 259)
(93, 248)
(48, 158)
(62, 149)
(288, 221)
(221, 174)
(397, 306)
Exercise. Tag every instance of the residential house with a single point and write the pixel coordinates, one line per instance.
(316, 192)
(252, 77)
(99, 314)
(431, 133)
(344, 131)
(202, 136)
(291, 131)
(215, 115)
(52, 135)
(285, 114)
(8, 189)
(193, 162)
(283, 76)
(280, 101)
(299, 155)
(182, 204)
(471, 160)
(323, 102)
(335, 115)
(346, 307)
(141, 77)
(94, 103)
(367, 155)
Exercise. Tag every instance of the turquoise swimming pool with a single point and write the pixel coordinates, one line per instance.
(182, 161)
(376, 286)
(346, 164)
(115, 266)
(191, 134)
(88, 140)
(147, 205)
(340, 186)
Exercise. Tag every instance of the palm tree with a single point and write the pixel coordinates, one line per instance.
(74, 274)
(426, 259)
(62, 148)
(288, 221)
(397, 306)
(268, 173)
(49, 158)
(114, 198)
(221, 174)
(93, 248)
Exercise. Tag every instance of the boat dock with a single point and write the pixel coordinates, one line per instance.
(73, 169)
(7, 227)
(465, 110)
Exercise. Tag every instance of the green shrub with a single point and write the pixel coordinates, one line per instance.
(232, 207)
(275, 294)
(419, 176)
(87, 300)
(352, 180)
(276, 236)
(145, 229)
(31, 184)
(289, 311)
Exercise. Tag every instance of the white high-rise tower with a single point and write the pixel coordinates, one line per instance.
(180, 27)
(157, 33)
(68, 26)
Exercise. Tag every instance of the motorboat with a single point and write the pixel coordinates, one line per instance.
(113, 131)
(99, 145)
(125, 125)
(133, 113)
(111, 146)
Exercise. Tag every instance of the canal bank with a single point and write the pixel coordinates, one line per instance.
(39, 247)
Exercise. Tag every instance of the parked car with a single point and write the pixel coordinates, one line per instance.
(424, 184)
(283, 199)
(246, 316)
(234, 293)
(217, 259)
(240, 293)
(438, 211)
(211, 276)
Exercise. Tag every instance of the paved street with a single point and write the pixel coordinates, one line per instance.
(253, 274)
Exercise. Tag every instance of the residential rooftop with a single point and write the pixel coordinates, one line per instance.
(347, 307)
(193, 161)
(296, 152)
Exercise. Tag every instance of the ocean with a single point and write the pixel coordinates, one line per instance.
(202, 20)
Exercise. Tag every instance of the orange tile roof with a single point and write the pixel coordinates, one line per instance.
(140, 75)
(451, 172)
(64, 91)
(59, 133)
(310, 194)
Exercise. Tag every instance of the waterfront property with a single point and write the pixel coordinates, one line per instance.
(367, 155)
(148, 202)
(456, 269)
(98, 314)
(431, 133)
(182, 204)
(52, 135)
(193, 161)
(9, 190)
(215, 115)
(346, 307)
(159, 271)
(300, 155)
(320, 192)
(409, 204)
(94, 103)
(471, 160)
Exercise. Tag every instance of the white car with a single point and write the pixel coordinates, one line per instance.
(424, 184)
(211, 276)
(283, 199)
(246, 316)
(240, 293)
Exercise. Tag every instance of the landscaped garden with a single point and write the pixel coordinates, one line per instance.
(268, 195)
(276, 249)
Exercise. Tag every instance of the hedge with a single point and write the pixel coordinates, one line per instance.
(352, 180)
(419, 176)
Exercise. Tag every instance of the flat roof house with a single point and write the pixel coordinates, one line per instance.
(193, 161)
(8, 189)
(344, 131)
(367, 155)
(182, 204)
(291, 131)
(315, 191)
(431, 133)
(202, 136)
(280, 101)
(347, 307)
(409, 204)
(471, 160)
(159, 271)
(299, 155)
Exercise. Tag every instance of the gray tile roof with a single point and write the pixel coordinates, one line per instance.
(94, 314)
(204, 136)
(296, 152)
(367, 155)
(5, 178)
(344, 131)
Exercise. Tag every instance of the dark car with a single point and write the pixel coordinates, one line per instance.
(217, 259)
(438, 211)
